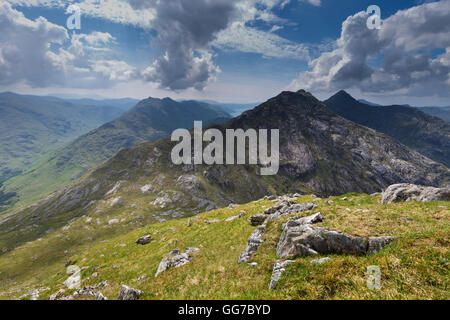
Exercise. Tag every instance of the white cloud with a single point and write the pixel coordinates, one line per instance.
(239, 37)
(404, 41)
(34, 52)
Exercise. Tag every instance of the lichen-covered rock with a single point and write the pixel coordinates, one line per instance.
(410, 192)
(127, 293)
(299, 240)
(253, 244)
(144, 240)
(175, 259)
(278, 269)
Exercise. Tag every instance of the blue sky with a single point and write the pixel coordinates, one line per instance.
(253, 49)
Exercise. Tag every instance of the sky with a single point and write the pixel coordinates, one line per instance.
(228, 50)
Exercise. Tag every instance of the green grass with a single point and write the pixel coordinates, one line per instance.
(415, 266)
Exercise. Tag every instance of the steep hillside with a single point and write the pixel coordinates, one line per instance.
(440, 112)
(414, 266)
(149, 120)
(412, 127)
(320, 153)
(32, 126)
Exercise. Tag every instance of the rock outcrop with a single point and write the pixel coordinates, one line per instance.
(299, 240)
(278, 269)
(410, 192)
(175, 259)
(127, 293)
(253, 244)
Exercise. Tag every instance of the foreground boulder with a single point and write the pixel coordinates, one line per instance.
(175, 259)
(253, 244)
(411, 192)
(299, 240)
(127, 293)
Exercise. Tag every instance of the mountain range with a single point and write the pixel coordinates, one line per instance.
(422, 132)
(320, 152)
(151, 119)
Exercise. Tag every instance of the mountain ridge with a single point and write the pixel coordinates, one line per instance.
(320, 152)
(424, 133)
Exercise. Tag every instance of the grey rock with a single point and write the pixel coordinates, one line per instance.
(99, 296)
(305, 240)
(127, 293)
(175, 259)
(253, 244)
(411, 192)
(257, 219)
(278, 269)
(320, 261)
(116, 202)
(144, 240)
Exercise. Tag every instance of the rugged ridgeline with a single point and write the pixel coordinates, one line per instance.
(149, 120)
(320, 152)
(422, 132)
(31, 126)
(440, 112)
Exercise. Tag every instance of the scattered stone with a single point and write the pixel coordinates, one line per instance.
(253, 264)
(257, 219)
(99, 296)
(113, 221)
(299, 240)
(344, 199)
(134, 206)
(329, 202)
(94, 275)
(253, 244)
(57, 295)
(319, 261)
(278, 269)
(212, 221)
(147, 188)
(116, 202)
(5, 249)
(144, 240)
(232, 206)
(114, 189)
(410, 192)
(191, 221)
(127, 293)
(33, 294)
(288, 208)
(241, 214)
(175, 259)
(141, 278)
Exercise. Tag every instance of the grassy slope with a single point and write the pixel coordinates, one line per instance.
(150, 120)
(415, 266)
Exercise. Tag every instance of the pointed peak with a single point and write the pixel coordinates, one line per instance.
(342, 95)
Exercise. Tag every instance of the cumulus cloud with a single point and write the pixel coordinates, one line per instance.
(187, 30)
(404, 43)
(40, 54)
